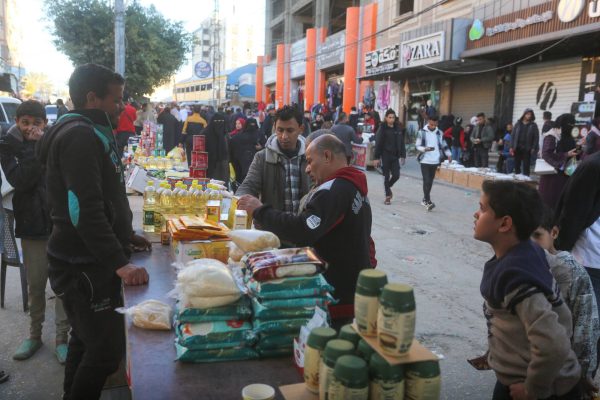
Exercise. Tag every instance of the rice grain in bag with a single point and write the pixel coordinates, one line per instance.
(267, 313)
(322, 301)
(278, 326)
(304, 286)
(274, 353)
(240, 310)
(205, 356)
(283, 263)
(250, 240)
(267, 342)
(216, 335)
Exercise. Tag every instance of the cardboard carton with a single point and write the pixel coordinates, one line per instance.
(187, 251)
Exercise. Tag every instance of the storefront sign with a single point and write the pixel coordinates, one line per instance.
(331, 52)
(584, 114)
(202, 69)
(382, 60)
(519, 23)
(570, 10)
(270, 73)
(424, 50)
(298, 59)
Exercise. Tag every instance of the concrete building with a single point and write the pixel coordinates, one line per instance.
(11, 39)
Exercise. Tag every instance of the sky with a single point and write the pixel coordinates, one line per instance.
(40, 55)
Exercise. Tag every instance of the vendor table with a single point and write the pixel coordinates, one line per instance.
(152, 369)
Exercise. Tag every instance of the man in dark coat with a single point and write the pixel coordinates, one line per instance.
(525, 142)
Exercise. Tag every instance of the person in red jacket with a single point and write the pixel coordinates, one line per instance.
(456, 134)
(125, 129)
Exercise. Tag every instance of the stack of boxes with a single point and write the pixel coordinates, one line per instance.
(151, 142)
(199, 162)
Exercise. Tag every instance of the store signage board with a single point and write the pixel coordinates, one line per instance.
(202, 69)
(380, 61)
(519, 23)
(270, 73)
(298, 58)
(422, 51)
(332, 51)
(584, 114)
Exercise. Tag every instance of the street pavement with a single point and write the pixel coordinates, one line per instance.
(433, 251)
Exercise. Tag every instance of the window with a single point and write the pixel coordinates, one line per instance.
(405, 6)
(197, 88)
(203, 87)
(209, 86)
(187, 89)
(11, 111)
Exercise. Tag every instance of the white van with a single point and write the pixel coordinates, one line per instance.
(8, 112)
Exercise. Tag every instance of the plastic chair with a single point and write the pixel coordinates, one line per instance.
(11, 257)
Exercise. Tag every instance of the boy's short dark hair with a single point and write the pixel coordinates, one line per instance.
(91, 78)
(547, 115)
(390, 112)
(433, 118)
(548, 221)
(31, 108)
(287, 113)
(519, 201)
(481, 115)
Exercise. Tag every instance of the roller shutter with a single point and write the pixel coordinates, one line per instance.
(473, 94)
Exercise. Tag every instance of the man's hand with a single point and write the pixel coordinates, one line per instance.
(248, 203)
(132, 275)
(34, 134)
(140, 243)
(376, 163)
(402, 161)
(518, 392)
(512, 152)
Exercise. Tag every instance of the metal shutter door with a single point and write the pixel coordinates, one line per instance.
(473, 94)
(550, 86)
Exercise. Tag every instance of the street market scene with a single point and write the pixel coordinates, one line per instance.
(300, 200)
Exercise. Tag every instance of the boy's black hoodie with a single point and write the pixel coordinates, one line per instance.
(86, 193)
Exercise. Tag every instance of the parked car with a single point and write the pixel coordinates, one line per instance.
(51, 114)
(8, 112)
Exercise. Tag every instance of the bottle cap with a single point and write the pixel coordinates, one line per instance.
(336, 348)
(370, 282)
(351, 371)
(398, 296)
(379, 368)
(348, 333)
(319, 337)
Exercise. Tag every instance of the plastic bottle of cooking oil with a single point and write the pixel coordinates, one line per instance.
(149, 207)
(158, 210)
(166, 200)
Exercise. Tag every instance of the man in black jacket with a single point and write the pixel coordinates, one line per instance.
(91, 235)
(336, 220)
(390, 152)
(525, 142)
(32, 219)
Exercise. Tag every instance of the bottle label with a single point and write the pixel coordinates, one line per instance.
(365, 311)
(386, 390)
(422, 389)
(396, 330)
(337, 391)
(148, 217)
(311, 368)
(324, 376)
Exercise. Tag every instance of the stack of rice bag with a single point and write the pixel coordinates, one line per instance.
(285, 286)
(212, 321)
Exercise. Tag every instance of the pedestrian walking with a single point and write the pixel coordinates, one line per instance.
(216, 146)
(482, 138)
(240, 123)
(343, 131)
(194, 125)
(92, 235)
(126, 127)
(508, 163)
(525, 142)
(32, 223)
(390, 152)
(61, 108)
(267, 125)
(171, 131)
(592, 140)
(433, 149)
(242, 148)
(456, 136)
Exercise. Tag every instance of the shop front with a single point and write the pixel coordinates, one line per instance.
(552, 52)
(269, 78)
(330, 66)
(297, 72)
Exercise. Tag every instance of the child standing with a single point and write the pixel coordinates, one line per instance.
(32, 222)
(529, 326)
(576, 290)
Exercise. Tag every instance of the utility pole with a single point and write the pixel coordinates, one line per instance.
(216, 53)
(120, 37)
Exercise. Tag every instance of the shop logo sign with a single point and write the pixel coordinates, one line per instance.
(569, 10)
(546, 96)
(422, 51)
(382, 60)
(477, 30)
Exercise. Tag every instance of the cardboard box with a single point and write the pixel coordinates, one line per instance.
(297, 391)
(199, 143)
(187, 251)
(198, 173)
(475, 181)
(446, 174)
(199, 159)
(138, 179)
(460, 178)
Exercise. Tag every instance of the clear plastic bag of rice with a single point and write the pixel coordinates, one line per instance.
(235, 253)
(206, 278)
(251, 240)
(150, 314)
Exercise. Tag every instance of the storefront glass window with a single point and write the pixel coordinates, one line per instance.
(405, 6)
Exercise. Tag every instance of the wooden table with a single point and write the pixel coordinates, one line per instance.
(153, 371)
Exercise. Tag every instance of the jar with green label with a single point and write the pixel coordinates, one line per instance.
(387, 381)
(333, 350)
(423, 381)
(317, 340)
(366, 300)
(364, 350)
(350, 379)
(396, 319)
(348, 333)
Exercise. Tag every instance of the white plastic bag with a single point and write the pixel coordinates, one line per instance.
(150, 314)
(235, 253)
(206, 278)
(252, 240)
(208, 302)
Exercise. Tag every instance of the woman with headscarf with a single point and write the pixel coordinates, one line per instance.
(171, 129)
(216, 146)
(558, 148)
(240, 124)
(242, 148)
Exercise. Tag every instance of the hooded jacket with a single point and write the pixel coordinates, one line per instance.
(86, 193)
(266, 176)
(530, 130)
(26, 174)
(336, 222)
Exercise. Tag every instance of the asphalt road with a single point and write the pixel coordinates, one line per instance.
(432, 251)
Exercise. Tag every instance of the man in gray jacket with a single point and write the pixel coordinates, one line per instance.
(343, 131)
(277, 174)
(482, 138)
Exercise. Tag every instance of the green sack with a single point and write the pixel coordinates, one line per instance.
(267, 313)
(269, 327)
(274, 353)
(240, 310)
(285, 288)
(267, 342)
(301, 302)
(205, 356)
(215, 335)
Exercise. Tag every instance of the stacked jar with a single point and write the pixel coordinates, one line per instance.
(315, 345)
(366, 300)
